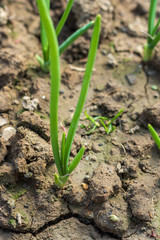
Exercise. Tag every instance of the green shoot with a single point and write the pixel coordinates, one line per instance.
(153, 36)
(64, 17)
(154, 135)
(62, 157)
(104, 121)
(45, 61)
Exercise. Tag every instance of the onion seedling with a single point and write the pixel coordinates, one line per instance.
(153, 33)
(62, 157)
(45, 61)
(154, 135)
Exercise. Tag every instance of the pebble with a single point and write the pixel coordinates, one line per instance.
(3, 16)
(87, 157)
(100, 144)
(104, 52)
(3, 121)
(19, 218)
(95, 148)
(131, 78)
(93, 158)
(84, 186)
(8, 132)
(16, 102)
(111, 61)
(61, 92)
(93, 108)
(29, 104)
(26, 206)
(134, 129)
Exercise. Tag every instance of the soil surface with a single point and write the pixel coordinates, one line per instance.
(114, 193)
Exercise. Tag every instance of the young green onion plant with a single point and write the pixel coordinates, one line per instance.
(45, 61)
(100, 120)
(61, 157)
(153, 33)
(154, 135)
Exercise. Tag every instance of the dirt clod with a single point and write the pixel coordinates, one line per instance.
(104, 183)
(113, 216)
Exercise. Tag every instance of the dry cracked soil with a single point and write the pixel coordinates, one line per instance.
(114, 193)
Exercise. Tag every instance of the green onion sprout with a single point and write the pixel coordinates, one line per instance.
(153, 34)
(61, 155)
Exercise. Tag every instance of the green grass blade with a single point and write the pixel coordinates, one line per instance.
(76, 160)
(74, 36)
(151, 20)
(55, 79)
(114, 118)
(92, 130)
(85, 86)
(44, 40)
(105, 127)
(91, 119)
(156, 27)
(64, 17)
(154, 135)
(63, 151)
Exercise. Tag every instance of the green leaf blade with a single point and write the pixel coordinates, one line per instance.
(154, 135)
(55, 79)
(74, 36)
(85, 85)
(76, 160)
(64, 17)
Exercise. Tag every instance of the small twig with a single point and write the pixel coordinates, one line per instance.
(147, 35)
(78, 69)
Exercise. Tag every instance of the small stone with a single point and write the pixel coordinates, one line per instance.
(3, 16)
(84, 186)
(95, 148)
(61, 92)
(26, 206)
(3, 121)
(87, 157)
(111, 61)
(131, 78)
(93, 108)
(43, 97)
(93, 158)
(139, 50)
(134, 129)
(100, 144)
(134, 117)
(113, 218)
(104, 52)
(29, 104)
(8, 133)
(19, 218)
(71, 109)
(16, 102)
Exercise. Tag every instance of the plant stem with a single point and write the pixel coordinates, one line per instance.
(55, 79)
(147, 53)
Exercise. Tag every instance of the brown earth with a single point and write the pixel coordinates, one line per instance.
(114, 193)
